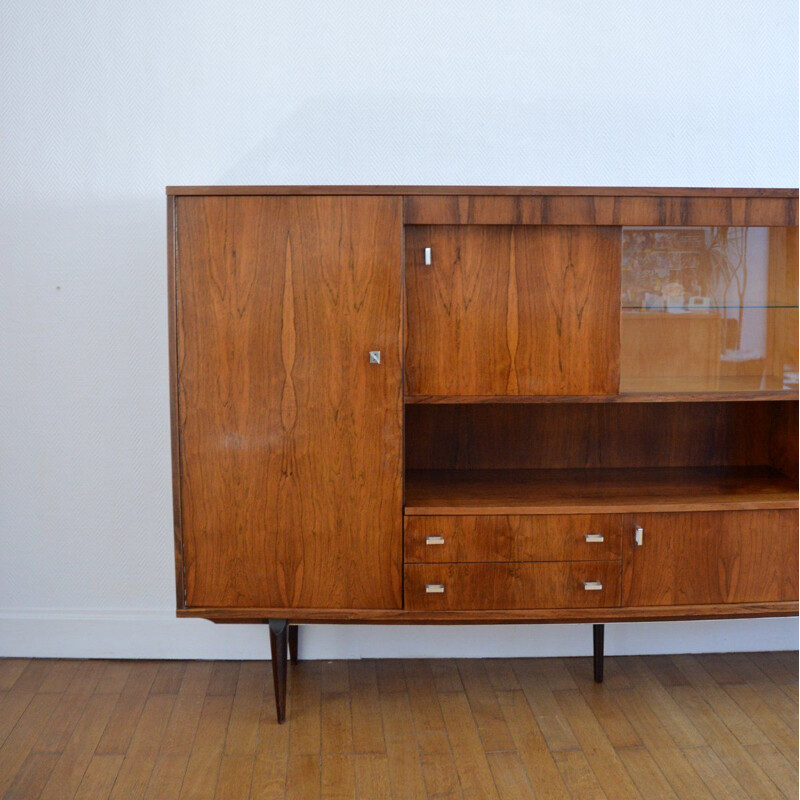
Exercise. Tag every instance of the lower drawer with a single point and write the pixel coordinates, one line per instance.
(473, 587)
(532, 537)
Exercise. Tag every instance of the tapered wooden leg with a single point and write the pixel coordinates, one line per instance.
(294, 655)
(598, 633)
(278, 629)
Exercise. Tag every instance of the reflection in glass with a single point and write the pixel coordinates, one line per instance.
(709, 309)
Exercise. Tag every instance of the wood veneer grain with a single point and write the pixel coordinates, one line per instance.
(510, 311)
(290, 441)
(730, 391)
(614, 208)
(550, 584)
(174, 413)
(512, 538)
(565, 191)
(729, 557)
(537, 615)
(596, 491)
(581, 435)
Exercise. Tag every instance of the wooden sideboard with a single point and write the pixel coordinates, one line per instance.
(452, 404)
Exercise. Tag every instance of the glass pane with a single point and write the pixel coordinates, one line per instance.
(709, 309)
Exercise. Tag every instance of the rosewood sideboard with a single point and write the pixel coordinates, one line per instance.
(482, 405)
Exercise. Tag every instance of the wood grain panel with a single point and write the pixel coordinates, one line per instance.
(290, 441)
(172, 325)
(784, 438)
(552, 584)
(567, 285)
(596, 491)
(668, 207)
(541, 615)
(729, 389)
(512, 538)
(728, 557)
(510, 311)
(458, 327)
(562, 191)
(581, 435)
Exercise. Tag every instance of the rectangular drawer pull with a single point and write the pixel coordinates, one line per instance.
(434, 588)
(592, 586)
(434, 540)
(594, 537)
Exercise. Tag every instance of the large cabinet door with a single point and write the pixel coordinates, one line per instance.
(696, 558)
(512, 310)
(290, 439)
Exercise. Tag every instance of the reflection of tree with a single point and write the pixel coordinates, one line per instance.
(728, 254)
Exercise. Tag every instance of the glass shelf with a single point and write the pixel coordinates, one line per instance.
(709, 310)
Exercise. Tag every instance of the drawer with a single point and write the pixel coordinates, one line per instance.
(558, 537)
(474, 587)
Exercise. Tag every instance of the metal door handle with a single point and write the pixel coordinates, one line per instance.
(592, 586)
(427, 256)
(638, 535)
(434, 540)
(434, 588)
(594, 537)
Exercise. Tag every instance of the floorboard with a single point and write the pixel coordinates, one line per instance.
(688, 726)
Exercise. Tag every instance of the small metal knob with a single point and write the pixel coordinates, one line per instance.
(434, 540)
(594, 537)
(434, 588)
(592, 586)
(374, 356)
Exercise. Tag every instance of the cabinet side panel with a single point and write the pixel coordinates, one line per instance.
(290, 439)
(180, 595)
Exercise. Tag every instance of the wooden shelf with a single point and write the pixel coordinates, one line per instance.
(677, 396)
(735, 386)
(584, 491)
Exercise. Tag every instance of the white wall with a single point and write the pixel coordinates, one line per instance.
(103, 103)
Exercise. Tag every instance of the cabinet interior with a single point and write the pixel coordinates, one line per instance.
(593, 457)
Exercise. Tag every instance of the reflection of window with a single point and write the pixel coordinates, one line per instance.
(717, 305)
(697, 270)
(659, 264)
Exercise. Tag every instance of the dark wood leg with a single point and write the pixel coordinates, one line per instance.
(598, 632)
(294, 655)
(278, 630)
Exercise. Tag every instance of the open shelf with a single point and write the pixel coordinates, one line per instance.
(584, 491)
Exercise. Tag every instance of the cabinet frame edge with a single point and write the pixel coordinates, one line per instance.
(174, 414)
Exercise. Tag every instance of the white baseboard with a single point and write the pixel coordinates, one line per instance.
(84, 633)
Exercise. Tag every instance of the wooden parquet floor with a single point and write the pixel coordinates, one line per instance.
(709, 726)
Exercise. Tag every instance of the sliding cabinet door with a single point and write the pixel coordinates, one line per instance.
(512, 310)
(290, 438)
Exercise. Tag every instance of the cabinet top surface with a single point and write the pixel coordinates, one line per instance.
(632, 191)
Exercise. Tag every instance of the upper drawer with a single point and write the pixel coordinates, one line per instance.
(579, 537)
